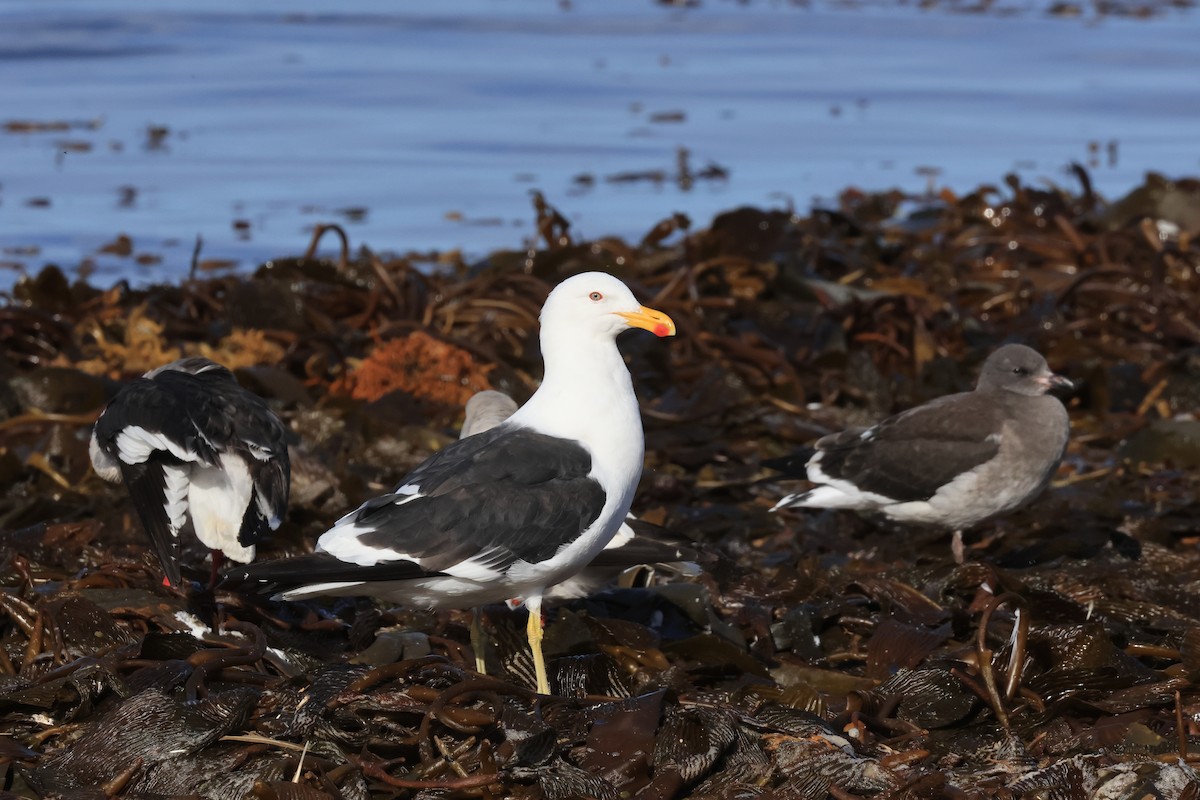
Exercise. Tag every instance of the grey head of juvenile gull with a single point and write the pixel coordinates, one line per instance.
(954, 461)
(509, 512)
(485, 410)
(198, 454)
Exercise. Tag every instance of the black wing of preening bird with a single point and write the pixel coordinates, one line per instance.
(954, 461)
(198, 453)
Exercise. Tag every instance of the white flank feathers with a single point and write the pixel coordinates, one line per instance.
(318, 589)
(218, 497)
(833, 492)
(623, 536)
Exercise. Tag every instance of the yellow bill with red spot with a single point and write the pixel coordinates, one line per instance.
(649, 319)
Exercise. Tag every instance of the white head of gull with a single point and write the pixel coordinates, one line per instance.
(506, 513)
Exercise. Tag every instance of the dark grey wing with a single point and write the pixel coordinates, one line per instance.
(504, 495)
(449, 460)
(912, 455)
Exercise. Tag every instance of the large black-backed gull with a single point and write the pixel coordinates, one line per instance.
(516, 509)
(197, 453)
(954, 461)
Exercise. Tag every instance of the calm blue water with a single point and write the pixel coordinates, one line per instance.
(438, 122)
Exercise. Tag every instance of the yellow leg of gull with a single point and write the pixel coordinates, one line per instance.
(534, 629)
(477, 643)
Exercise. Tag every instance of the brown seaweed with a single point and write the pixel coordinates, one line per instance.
(817, 655)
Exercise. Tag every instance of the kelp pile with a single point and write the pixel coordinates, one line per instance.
(816, 655)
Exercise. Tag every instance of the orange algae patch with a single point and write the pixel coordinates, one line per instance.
(420, 365)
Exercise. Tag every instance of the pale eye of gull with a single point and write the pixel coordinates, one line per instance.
(595, 297)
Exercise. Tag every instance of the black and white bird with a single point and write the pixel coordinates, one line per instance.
(954, 461)
(507, 513)
(636, 544)
(199, 455)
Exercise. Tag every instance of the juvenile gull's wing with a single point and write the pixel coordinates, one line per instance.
(910, 456)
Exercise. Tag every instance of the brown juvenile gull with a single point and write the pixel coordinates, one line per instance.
(199, 454)
(954, 461)
(512, 511)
